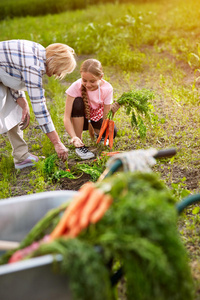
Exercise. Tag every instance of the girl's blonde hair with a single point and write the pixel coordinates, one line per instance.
(60, 60)
(94, 67)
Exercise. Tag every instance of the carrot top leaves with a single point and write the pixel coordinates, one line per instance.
(110, 115)
(137, 104)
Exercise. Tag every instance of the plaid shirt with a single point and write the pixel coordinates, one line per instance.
(26, 60)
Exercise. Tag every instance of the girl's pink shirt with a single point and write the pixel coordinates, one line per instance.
(106, 93)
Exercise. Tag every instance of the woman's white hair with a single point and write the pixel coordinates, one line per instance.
(60, 60)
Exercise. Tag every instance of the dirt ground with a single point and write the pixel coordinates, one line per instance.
(191, 174)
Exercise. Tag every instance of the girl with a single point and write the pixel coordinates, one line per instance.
(88, 102)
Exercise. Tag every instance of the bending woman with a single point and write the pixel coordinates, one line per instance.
(22, 66)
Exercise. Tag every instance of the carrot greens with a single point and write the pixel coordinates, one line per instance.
(93, 170)
(137, 104)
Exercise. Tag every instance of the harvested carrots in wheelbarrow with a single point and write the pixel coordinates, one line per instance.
(77, 203)
(88, 206)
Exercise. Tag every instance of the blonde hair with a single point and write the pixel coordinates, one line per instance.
(60, 60)
(94, 67)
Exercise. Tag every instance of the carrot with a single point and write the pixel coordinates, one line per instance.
(106, 136)
(107, 154)
(92, 203)
(111, 132)
(79, 200)
(74, 218)
(110, 153)
(74, 231)
(102, 130)
(102, 208)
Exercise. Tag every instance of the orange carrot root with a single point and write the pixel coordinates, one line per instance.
(100, 211)
(73, 219)
(78, 200)
(111, 132)
(102, 130)
(91, 205)
(74, 231)
(106, 136)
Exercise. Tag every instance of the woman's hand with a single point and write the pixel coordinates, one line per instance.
(22, 102)
(61, 150)
(76, 142)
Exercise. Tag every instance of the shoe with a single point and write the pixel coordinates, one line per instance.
(28, 162)
(84, 153)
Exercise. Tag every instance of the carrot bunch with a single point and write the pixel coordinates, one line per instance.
(107, 127)
(88, 206)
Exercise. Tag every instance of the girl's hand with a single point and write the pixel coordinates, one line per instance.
(114, 107)
(77, 142)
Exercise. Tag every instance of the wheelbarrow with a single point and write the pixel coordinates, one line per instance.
(34, 279)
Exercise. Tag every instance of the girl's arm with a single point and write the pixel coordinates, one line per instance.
(106, 109)
(68, 123)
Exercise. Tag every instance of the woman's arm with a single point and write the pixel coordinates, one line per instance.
(22, 102)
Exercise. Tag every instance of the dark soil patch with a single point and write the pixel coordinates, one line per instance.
(74, 184)
(189, 176)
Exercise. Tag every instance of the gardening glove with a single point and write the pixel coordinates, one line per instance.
(136, 160)
(76, 142)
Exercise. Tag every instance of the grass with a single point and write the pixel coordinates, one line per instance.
(141, 45)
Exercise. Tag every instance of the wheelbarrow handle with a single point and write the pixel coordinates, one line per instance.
(165, 153)
(190, 200)
(8, 245)
(118, 163)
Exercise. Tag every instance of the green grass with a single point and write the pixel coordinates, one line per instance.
(22, 8)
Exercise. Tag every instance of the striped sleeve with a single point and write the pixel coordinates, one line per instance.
(17, 94)
(33, 80)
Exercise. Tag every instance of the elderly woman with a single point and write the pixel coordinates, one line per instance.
(22, 65)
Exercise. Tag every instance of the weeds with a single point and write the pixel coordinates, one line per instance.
(93, 170)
